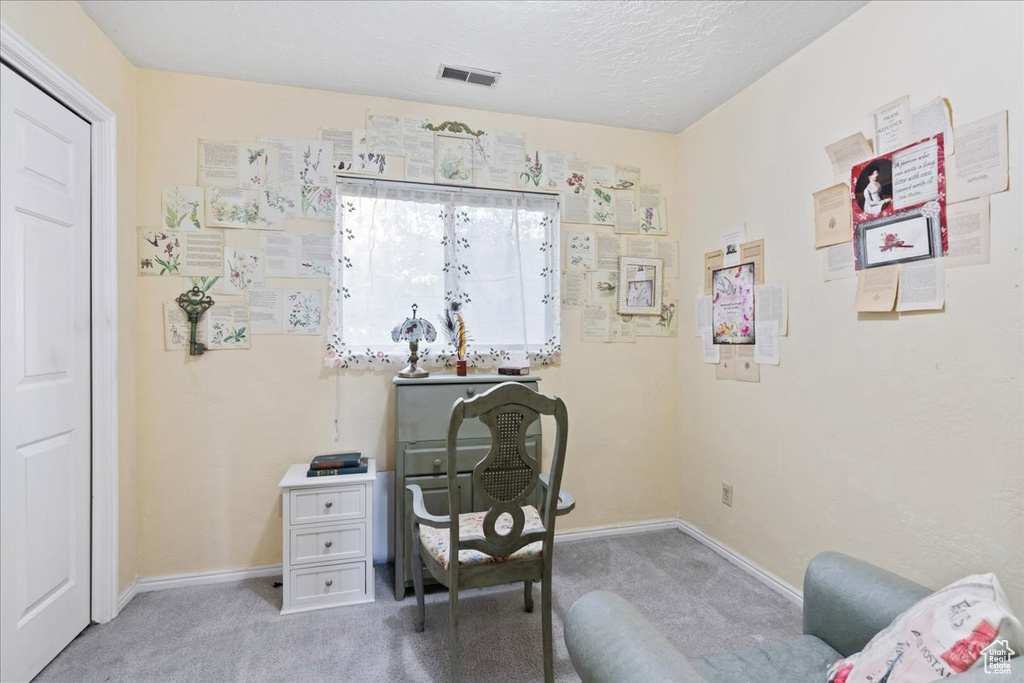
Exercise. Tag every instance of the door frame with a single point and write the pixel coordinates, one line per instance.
(105, 526)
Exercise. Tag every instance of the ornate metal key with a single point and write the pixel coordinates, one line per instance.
(194, 302)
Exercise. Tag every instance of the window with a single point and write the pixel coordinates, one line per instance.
(491, 255)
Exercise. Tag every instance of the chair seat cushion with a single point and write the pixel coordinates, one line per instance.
(435, 541)
(798, 660)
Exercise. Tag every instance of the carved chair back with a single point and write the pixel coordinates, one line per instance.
(508, 475)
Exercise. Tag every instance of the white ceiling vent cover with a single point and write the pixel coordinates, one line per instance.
(465, 74)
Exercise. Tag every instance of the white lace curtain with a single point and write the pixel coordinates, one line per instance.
(493, 254)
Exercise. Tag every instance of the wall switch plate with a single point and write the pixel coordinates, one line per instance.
(727, 494)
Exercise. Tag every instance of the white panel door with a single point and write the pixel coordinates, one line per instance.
(44, 377)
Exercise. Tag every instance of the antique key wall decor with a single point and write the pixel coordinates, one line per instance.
(194, 302)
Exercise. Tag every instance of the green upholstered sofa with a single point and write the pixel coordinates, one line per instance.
(846, 602)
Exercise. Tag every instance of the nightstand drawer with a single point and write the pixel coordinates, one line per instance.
(325, 544)
(331, 584)
(334, 504)
(424, 411)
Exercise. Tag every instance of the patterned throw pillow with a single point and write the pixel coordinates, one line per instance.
(941, 635)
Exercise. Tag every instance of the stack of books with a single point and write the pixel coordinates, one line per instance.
(338, 463)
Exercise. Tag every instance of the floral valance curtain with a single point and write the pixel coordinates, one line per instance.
(491, 256)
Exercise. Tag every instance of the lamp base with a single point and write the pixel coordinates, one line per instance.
(414, 372)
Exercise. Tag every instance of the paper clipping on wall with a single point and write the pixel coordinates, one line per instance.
(922, 286)
(601, 206)
(226, 325)
(162, 252)
(709, 349)
(342, 146)
(664, 325)
(737, 363)
(596, 323)
(303, 255)
(847, 153)
(981, 163)
(766, 348)
(177, 329)
(244, 269)
(581, 251)
(932, 118)
(833, 221)
(499, 157)
(574, 288)
(228, 207)
(384, 132)
(652, 210)
(182, 208)
(701, 314)
(876, 289)
(712, 262)
(731, 240)
(837, 262)
(418, 149)
(771, 302)
(286, 311)
(968, 233)
(893, 125)
(601, 287)
(666, 250)
(753, 252)
(609, 249)
(218, 163)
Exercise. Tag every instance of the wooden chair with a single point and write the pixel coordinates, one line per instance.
(512, 541)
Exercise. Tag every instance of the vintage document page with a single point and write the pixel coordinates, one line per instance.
(667, 251)
(932, 118)
(198, 253)
(922, 286)
(501, 154)
(574, 288)
(968, 233)
(286, 311)
(753, 252)
(876, 289)
(766, 345)
(833, 217)
(710, 351)
(837, 262)
(343, 145)
(712, 262)
(980, 165)
(218, 163)
(747, 369)
(701, 314)
(771, 302)
(291, 254)
(664, 325)
(384, 132)
(601, 286)
(726, 368)
(596, 323)
(620, 330)
(226, 325)
(182, 208)
(609, 249)
(731, 240)
(244, 269)
(847, 153)
(893, 125)
(581, 251)
(176, 327)
(418, 151)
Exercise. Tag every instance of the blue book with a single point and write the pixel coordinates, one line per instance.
(358, 469)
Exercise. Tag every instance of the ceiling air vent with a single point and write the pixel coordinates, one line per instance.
(468, 75)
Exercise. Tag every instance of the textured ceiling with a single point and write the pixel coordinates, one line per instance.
(652, 65)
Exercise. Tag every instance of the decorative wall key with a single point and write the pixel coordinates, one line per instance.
(194, 302)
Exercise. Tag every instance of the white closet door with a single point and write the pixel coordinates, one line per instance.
(44, 377)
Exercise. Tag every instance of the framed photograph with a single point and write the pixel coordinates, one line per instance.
(640, 281)
(897, 238)
(453, 159)
(732, 304)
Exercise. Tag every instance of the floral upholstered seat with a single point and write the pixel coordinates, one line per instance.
(435, 541)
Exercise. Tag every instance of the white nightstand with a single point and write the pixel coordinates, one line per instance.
(327, 552)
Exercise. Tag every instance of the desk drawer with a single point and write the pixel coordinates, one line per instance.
(433, 459)
(328, 504)
(326, 544)
(424, 411)
(331, 584)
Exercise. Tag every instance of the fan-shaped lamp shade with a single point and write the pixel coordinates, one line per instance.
(414, 330)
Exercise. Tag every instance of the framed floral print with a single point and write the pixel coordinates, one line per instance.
(640, 281)
(732, 304)
(453, 159)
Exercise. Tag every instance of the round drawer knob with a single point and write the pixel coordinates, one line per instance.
(470, 391)
(328, 503)
(328, 544)
(329, 582)
(437, 463)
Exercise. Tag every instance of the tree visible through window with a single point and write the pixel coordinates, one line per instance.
(492, 256)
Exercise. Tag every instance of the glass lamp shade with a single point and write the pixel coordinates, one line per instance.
(414, 329)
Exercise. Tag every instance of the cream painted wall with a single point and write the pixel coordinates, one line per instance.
(216, 433)
(70, 39)
(895, 440)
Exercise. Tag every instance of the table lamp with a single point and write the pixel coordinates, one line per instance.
(413, 330)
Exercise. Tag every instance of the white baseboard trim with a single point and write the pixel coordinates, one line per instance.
(159, 583)
(127, 596)
(156, 583)
(587, 533)
(749, 566)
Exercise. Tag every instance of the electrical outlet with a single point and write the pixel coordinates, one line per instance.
(727, 494)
